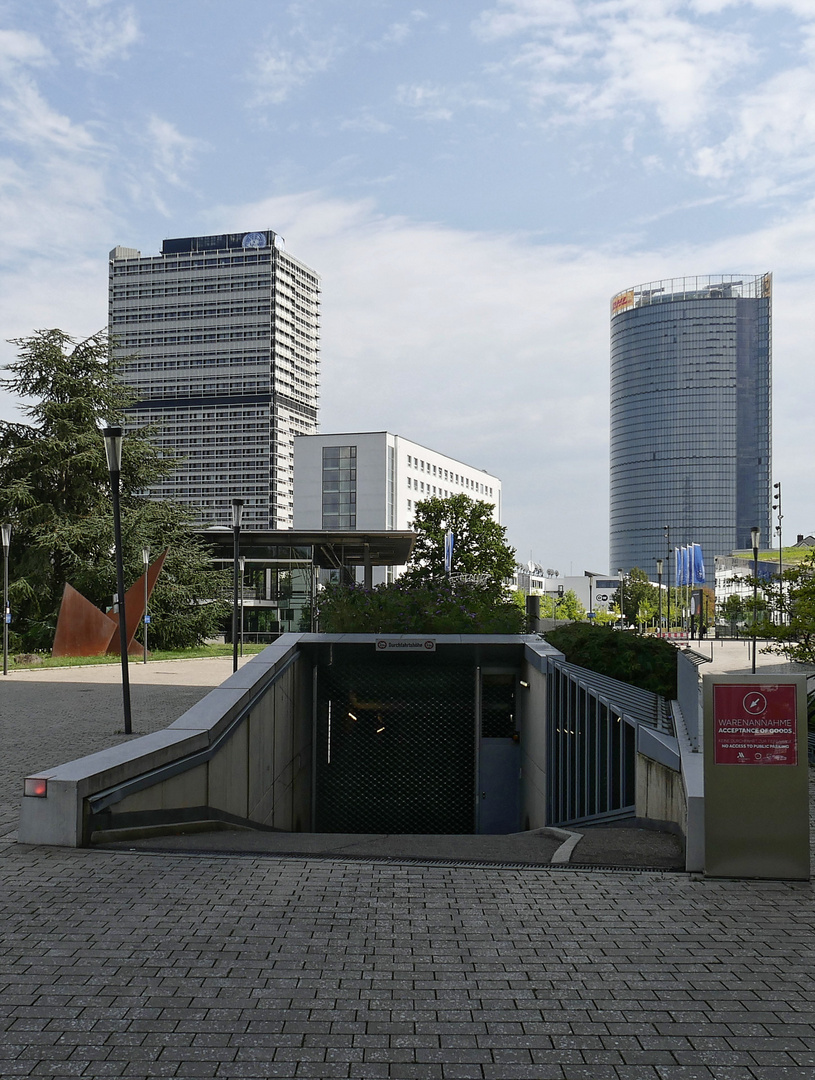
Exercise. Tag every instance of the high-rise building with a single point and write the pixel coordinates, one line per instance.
(220, 338)
(690, 417)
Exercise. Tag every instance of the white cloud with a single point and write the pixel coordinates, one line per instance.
(773, 134)
(98, 30)
(366, 122)
(277, 71)
(173, 153)
(602, 59)
(26, 117)
(440, 102)
(19, 47)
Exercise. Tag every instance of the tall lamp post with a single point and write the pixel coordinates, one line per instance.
(754, 535)
(6, 530)
(113, 451)
(777, 506)
(237, 513)
(145, 556)
(667, 532)
(622, 598)
(659, 585)
(242, 564)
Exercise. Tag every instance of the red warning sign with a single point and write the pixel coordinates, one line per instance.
(755, 724)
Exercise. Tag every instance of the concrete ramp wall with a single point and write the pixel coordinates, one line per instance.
(241, 754)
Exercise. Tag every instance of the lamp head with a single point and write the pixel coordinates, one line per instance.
(660, 563)
(237, 513)
(6, 531)
(113, 448)
(755, 533)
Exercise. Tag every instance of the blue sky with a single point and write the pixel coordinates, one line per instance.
(473, 180)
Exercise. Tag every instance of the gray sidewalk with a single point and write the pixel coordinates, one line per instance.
(118, 963)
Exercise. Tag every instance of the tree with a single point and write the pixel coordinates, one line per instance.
(794, 595)
(640, 598)
(567, 606)
(480, 545)
(55, 490)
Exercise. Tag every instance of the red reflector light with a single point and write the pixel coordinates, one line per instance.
(37, 786)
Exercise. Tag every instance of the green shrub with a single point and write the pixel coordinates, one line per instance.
(435, 607)
(649, 663)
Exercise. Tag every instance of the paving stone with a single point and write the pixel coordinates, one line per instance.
(136, 965)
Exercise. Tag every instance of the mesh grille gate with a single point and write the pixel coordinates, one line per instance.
(395, 745)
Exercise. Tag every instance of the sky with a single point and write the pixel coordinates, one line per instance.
(472, 179)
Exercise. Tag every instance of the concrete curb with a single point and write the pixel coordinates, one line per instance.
(570, 841)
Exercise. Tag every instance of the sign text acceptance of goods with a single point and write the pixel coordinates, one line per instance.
(755, 724)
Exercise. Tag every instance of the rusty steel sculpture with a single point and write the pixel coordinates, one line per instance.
(84, 630)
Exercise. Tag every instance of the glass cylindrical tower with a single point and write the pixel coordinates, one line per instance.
(690, 416)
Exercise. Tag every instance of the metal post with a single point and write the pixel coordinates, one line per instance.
(622, 597)
(242, 564)
(754, 536)
(667, 531)
(659, 580)
(237, 511)
(6, 530)
(145, 554)
(777, 506)
(113, 450)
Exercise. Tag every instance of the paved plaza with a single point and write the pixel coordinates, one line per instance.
(133, 964)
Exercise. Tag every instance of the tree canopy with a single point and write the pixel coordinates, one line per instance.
(425, 600)
(55, 492)
(786, 611)
(480, 545)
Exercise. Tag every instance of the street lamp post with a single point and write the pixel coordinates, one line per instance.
(237, 513)
(113, 451)
(6, 530)
(777, 506)
(667, 531)
(659, 583)
(590, 576)
(145, 555)
(242, 564)
(622, 598)
(754, 535)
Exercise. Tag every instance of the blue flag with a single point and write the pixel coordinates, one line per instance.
(677, 567)
(698, 565)
(449, 542)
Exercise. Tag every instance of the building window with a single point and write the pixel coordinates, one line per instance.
(339, 487)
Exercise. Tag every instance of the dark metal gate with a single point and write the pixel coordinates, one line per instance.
(395, 744)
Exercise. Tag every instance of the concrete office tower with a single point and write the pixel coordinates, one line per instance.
(221, 340)
(690, 417)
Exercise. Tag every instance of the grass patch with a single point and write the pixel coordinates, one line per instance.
(202, 652)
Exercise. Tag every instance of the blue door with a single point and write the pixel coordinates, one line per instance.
(499, 754)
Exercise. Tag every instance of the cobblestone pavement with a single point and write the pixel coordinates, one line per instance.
(168, 965)
(155, 966)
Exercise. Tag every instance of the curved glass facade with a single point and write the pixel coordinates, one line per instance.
(690, 417)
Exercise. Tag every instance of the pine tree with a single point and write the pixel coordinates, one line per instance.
(55, 491)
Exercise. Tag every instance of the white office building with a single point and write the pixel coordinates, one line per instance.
(220, 338)
(373, 480)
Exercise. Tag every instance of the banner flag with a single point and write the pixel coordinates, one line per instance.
(686, 565)
(677, 567)
(449, 542)
(698, 565)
